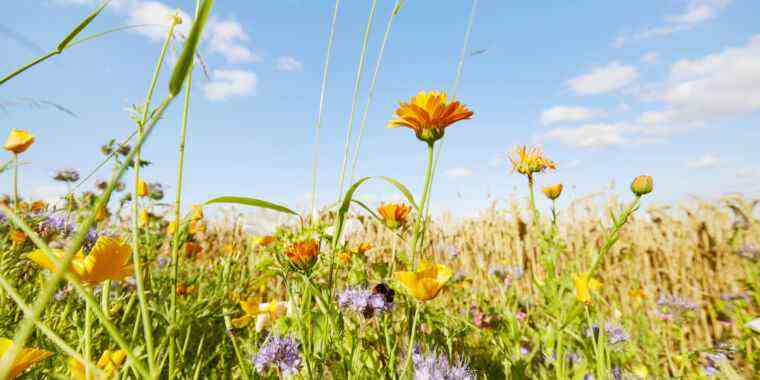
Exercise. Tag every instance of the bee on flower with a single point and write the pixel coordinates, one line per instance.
(428, 114)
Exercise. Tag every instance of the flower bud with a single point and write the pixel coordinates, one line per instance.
(642, 185)
(18, 141)
(553, 192)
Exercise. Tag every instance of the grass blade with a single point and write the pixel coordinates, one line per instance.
(188, 53)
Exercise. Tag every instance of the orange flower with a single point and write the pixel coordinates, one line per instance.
(18, 141)
(303, 254)
(394, 214)
(530, 160)
(107, 260)
(102, 214)
(192, 249)
(26, 358)
(18, 237)
(38, 206)
(262, 241)
(184, 290)
(428, 114)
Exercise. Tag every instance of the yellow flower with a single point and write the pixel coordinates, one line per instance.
(18, 141)
(108, 260)
(102, 214)
(109, 363)
(197, 212)
(26, 358)
(144, 217)
(642, 185)
(584, 285)
(184, 290)
(262, 241)
(425, 283)
(428, 115)
(264, 313)
(394, 214)
(553, 192)
(303, 254)
(142, 188)
(527, 161)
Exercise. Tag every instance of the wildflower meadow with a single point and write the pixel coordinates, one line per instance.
(122, 279)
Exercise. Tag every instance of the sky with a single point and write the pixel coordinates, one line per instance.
(609, 90)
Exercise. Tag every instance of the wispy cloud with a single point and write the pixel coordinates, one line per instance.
(227, 83)
(560, 114)
(650, 57)
(287, 63)
(709, 160)
(598, 135)
(606, 78)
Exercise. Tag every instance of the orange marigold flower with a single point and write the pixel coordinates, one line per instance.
(18, 141)
(394, 214)
(303, 254)
(18, 237)
(428, 114)
(527, 161)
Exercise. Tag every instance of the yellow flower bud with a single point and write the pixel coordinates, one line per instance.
(18, 141)
(553, 192)
(142, 188)
(642, 185)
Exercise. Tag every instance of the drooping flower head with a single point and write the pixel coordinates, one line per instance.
(26, 358)
(142, 189)
(428, 114)
(281, 352)
(530, 160)
(394, 214)
(426, 282)
(433, 366)
(108, 260)
(18, 141)
(303, 254)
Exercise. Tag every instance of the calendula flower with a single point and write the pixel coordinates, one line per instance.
(18, 141)
(142, 188)
(18, 237)
(185, 290)
(426, 282)
(108, 260)
(428, 114)
(25, 359)
(528, 161)
(109, 363)
(262, 241)
(552, 192)
(394, 214)
(192, 249)
(303, 254)
(642, 185)
(584, 285)
(38, 206)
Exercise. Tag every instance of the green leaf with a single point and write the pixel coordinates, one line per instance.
(185, 61)
(67, 40)
(402, 189)
(252, 202)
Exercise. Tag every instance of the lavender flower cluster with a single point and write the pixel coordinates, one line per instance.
(281, 352)
(368, 303)
(56, 223)
(713, 363)
(615, 334)
(670, 307)
(437, 367)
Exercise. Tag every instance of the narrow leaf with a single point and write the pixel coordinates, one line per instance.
(67, 40)
(252, 202)
(188, 52)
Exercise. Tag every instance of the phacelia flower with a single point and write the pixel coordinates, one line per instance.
(437, 367)
(108, 260)
(426, 282)
(528, 161)
(615, 334)
(26, 358)
(366, 302)
(18, 141)
(670, 307)
(281, 352)
(428, 114)
(713, 363)
(56, 223)
(394, 214)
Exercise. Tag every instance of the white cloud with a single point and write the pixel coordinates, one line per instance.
(650, 57)
(226, 83)
(696, 12)
(710, 88)
(457, 173)
(590, 135)
(709, 160)
(749, 173)
(287, 63)
(224, 37)
(601, 79)
(564, 113)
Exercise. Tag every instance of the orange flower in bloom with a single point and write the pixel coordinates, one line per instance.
(303, 254)
(192, 249)
(107, 260)
(18, 237)
(25, 359)
(262, 241)
(426, 282)
(184, 290)
(527, 161)
(109, 363)
(38, 206)
(394, 214)
(428, 114)
(18, 141)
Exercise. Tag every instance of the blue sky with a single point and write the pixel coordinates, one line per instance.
(610, 90)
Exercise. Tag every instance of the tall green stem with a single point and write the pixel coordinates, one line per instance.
(136, 257)
(410, 350)
(15, 182)
(88, 340)
(419, 228)
(177, 215)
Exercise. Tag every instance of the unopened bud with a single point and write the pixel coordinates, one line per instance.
(553, 192)
(641, 185)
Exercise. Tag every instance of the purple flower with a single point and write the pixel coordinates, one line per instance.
(163, 261)
(281, 352)
(437, 367)
(56, 223)
(615, 334)
(749, 251)
(670, 307)
(366, 302)
(713, 363)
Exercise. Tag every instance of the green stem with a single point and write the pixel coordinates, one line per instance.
(87, 339)
(419, 228)
(410, 350)
(104, 296)
(28, 65)
(15, 182)
(136, 257)
(177, 213)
